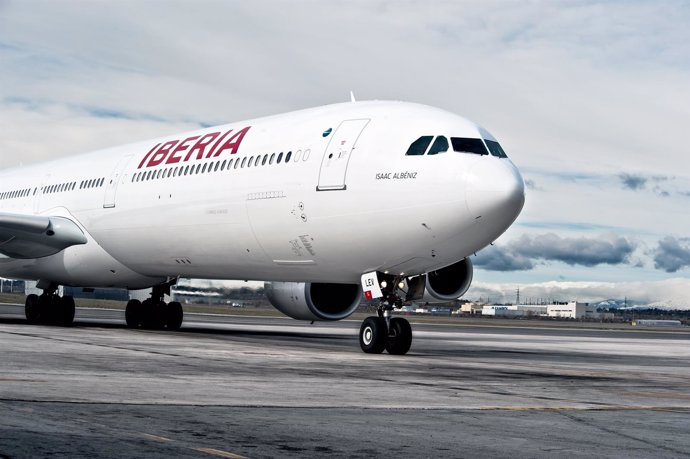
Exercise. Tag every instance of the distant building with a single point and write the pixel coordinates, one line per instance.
(117, 294)
(656, 323)
(11, 286)
(501, 311)
(572, 310)
(471, 308)
(514, 310)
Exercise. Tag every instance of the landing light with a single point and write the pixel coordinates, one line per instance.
(401, 285)
(384, 284)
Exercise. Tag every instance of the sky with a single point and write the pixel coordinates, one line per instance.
(591, 100)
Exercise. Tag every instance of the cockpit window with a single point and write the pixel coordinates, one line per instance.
(419, 146)
(465, 145)
(439, 146)
(495, 149)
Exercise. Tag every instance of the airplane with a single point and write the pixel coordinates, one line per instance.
(380, 200)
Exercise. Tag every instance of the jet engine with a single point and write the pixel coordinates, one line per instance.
(451, 282)
(314, 301)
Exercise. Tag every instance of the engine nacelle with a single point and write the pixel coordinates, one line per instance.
(314, 301)
(451, 282)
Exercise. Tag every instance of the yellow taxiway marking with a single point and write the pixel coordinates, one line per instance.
(156, 438)
(219, 453)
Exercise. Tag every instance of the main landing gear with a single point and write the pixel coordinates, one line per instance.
(394, 334)
(49, 308)
(154, 313)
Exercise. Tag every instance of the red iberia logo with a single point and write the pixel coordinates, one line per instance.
(197, 147)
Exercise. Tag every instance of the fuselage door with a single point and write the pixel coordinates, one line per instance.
(116, 177)
(337, 155)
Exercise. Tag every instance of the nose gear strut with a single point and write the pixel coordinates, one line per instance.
(394, 334)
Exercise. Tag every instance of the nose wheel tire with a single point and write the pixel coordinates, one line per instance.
(373, 334)
(399, 337)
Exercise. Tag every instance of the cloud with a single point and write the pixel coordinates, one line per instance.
(672, 254)
(531, 185)
(493, 258)
(638, 182)
(633, 182)
(521, 254)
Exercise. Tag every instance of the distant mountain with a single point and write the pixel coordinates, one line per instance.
(613, 304)
(622, 304)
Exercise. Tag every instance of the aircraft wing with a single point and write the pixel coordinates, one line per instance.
(37, 236)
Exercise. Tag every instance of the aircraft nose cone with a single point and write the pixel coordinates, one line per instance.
(495, 192)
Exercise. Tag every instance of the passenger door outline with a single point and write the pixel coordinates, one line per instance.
(336, 157)
(115, 178)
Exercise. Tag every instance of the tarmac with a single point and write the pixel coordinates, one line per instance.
(244, 386)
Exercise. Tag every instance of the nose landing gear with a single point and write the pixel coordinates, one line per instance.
(394, 334)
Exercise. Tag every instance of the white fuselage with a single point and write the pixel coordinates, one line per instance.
(348, 201)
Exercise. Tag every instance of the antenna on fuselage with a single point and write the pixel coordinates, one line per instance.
(352, 96)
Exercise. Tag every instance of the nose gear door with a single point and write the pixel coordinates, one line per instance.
(337, 155)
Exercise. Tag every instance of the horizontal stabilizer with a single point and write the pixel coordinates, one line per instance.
(35, 236)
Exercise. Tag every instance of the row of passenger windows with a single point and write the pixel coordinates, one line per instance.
(15, 194)
(215, 166)
(57, 188)
(460, 144)
(85, 184)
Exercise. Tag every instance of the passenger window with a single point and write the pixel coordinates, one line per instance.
(264, 161)
(439, 146)
(466, 145)
(230, 164)
(237, 163)
(251, 160)
(244, 160)
(287, 157)
(419, 146)
(270, 161)
(280, 158)
(222, 166)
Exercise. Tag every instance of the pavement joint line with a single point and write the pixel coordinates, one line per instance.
(219, 453)
(156, 438)
(212, 451)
